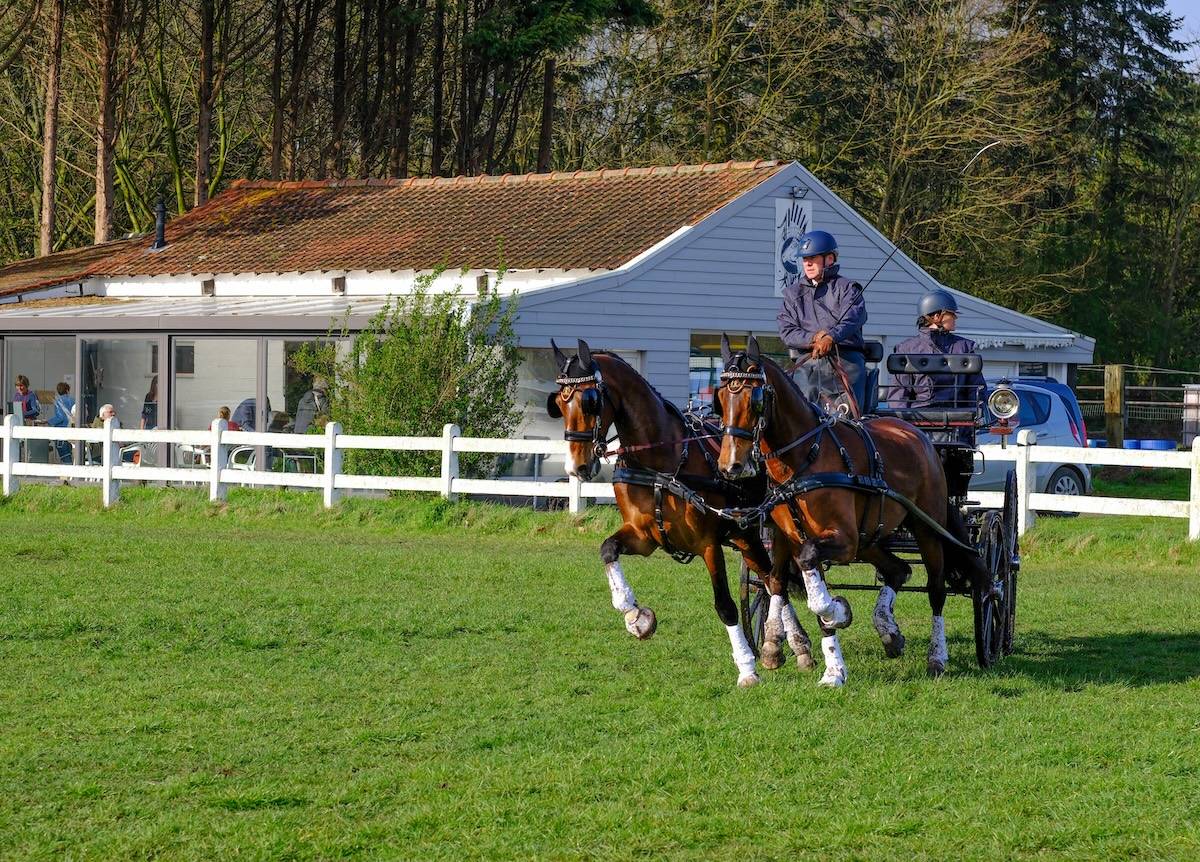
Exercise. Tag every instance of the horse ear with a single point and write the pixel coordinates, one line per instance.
(585, 355)
(726, 352)
(752, 349)
(560, 358)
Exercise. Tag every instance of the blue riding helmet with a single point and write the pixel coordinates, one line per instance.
(935, 301)
(817, 242)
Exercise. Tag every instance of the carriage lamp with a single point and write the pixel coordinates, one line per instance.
(1004, 405)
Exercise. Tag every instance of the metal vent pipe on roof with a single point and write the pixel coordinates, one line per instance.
(160, 226)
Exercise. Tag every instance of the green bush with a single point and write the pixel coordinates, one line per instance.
(423, 361)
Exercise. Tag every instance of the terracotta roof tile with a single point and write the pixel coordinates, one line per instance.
(62, 267)
(581, 220)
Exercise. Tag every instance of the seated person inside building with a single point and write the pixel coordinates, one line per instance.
(937, 316)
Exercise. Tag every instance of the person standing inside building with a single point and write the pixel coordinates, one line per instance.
(822, 318)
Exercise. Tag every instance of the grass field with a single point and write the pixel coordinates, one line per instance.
(417, 680)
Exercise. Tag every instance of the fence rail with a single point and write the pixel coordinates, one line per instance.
(219, 475)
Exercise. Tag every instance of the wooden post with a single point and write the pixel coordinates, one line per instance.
(11, 452)
(218, 460)
(1194, 507)
(1026, 480)
(110, 489)
(333, 464)
(449, 461)
(1114, 405)
(575, 502)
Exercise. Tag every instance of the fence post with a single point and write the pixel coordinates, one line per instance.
(449, 461)
(110, 489)
(333, 464)
(1194, 508)
(575, 502)
(218, 460)
(1026, 479)
(1114, 406)
(11, 453)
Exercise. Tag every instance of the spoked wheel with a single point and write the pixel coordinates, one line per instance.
(1012, 546)
(989, 598)
(754, 601)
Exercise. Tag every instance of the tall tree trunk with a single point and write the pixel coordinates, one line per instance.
(392, 77)
(109, 37)
(339, 87)
(464, 98)
(546, 139)
(204, 101)
(412, 30)
(439, 61)
(50, 131)
(277, 94)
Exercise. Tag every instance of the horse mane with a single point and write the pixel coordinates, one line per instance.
(671, 406)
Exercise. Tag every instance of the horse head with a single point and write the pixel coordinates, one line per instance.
(583, 403)
(742, 401)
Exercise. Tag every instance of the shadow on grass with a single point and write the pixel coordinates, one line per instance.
(1122, 658)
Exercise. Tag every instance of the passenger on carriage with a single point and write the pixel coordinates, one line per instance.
(937, 316)
(822, 316)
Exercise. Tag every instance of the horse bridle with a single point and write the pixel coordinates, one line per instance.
(591, 403)
(734, 381)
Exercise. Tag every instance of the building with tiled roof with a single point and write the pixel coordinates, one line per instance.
(651, 262)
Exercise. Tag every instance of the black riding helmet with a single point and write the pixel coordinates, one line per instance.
(933, 302)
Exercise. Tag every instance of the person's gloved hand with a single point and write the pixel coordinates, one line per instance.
(822, 345)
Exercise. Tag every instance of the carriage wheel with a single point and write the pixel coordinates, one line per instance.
(989, 598)
(754, 601)
(1014, 556)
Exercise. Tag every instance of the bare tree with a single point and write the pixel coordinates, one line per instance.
(50, 128)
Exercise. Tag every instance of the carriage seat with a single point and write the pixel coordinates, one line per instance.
(933, 417)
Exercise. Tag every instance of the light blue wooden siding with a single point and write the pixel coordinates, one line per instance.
(722, 279)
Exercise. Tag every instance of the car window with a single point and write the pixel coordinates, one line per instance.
(1035, 408)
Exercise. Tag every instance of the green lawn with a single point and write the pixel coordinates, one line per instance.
(405, 679)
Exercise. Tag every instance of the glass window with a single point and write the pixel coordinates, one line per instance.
(1034, 409)
(46, 369)
(704, 363)
(123, 372)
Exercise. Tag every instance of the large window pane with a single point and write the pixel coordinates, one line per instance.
(704, 363)
(48, 364)
(124, 372)
(213, 375)
(297, 403)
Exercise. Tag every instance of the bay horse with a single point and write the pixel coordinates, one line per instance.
(829, 473)
(599, 391)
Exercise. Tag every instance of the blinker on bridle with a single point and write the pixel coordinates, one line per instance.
(735, 381)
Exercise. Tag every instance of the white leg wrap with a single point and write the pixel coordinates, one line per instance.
(791, 625)
(775, 618)
(622, 593)
(835, 665)
(937, 642)
(819, 600)
(884, 617)
(743, 656)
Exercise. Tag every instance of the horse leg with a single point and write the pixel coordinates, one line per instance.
(639, 622)
(894, 572)
(832, 614)
(761, 564)
(727, 612)
(932, 555)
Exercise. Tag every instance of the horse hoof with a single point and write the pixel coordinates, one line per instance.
(893, 645)
(748, 680)
(772, 655)
(936, 668)
(832, 678)
(804, 661)
(641, 623)
(842, 619)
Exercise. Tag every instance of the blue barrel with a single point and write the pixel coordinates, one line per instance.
(1132, 444)
(1160, 445)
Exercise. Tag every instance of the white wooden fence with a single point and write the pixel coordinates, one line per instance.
(219, 475)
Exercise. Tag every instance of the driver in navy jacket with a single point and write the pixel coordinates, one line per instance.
(823, 315)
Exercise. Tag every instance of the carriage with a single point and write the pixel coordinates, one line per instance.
(993, 532)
